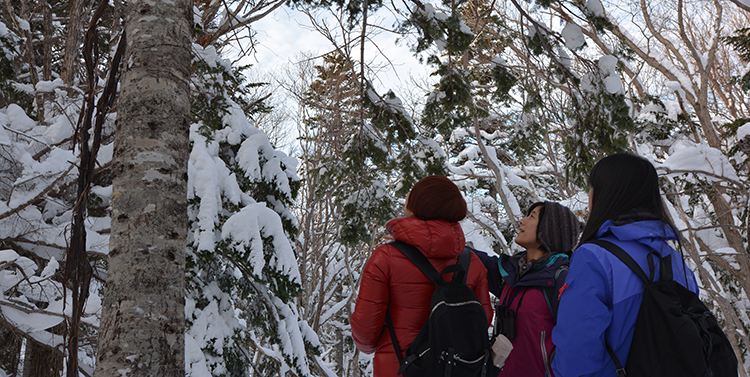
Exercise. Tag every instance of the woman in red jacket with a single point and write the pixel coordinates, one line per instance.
(391, 282)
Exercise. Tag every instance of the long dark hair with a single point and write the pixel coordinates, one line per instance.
(622, 184)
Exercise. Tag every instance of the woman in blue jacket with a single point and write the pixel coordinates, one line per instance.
(602, 296)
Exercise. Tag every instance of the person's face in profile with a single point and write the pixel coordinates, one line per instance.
(527, 230)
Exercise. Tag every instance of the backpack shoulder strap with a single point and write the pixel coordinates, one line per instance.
(633, 265)
(392, 332)
(666, 268)
(549, 293)
(618, 365)
(419, 260)
(625, 258)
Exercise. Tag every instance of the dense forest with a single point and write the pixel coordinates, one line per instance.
(279, 185)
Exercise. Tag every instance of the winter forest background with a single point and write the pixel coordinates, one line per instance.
(292, 174)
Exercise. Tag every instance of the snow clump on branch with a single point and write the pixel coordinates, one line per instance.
(573, 36)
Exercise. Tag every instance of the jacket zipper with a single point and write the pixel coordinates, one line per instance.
(455, 304)
(544, 355)
(469, 361)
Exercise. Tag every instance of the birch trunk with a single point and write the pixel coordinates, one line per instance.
(142, 326)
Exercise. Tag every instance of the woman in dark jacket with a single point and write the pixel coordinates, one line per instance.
(391, 282)
(626, 209)
(527, 286)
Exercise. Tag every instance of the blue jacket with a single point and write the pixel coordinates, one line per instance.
(602, 297)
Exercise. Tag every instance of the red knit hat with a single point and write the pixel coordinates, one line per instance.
(436, 197)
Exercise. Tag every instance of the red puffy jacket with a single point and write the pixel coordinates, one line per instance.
(390, 281)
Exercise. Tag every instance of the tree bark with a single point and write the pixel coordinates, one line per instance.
(73, 40)
(143, 324)
(40, 362)
(47, 43)
(47, 46)
(31, 60)
(10, 349)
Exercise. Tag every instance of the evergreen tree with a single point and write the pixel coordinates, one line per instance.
(242, 272)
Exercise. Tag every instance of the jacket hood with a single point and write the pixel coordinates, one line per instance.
(651, 233)
(434, 238)
(541, 274)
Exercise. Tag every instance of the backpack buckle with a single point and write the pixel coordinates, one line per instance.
(450, 361)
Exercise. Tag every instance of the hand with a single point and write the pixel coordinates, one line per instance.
(501, 348)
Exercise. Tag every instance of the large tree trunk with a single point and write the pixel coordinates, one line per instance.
(142, 326)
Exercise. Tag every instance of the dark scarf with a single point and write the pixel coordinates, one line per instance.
(526, 266)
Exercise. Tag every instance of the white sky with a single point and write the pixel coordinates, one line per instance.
(286, 33)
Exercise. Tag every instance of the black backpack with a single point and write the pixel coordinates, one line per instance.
(675, 333)
(454, 340)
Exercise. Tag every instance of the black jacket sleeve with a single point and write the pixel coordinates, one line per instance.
(494, 279)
